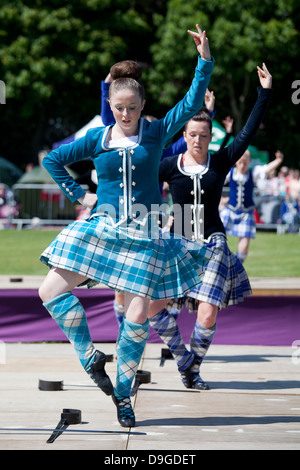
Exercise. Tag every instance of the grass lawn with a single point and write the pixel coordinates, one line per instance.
(270, 255)
(20, 251)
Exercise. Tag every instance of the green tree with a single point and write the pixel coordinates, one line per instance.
(53, 56)
(242, 35)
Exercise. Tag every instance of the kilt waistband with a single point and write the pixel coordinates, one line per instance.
(148, 227)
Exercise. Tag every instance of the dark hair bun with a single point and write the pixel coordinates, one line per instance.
(126, 69)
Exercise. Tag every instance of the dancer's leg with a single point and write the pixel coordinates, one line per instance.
(69, 314)
(133, 335)
(201, 339)
(243, 249)
(119, 307)
(165, 325)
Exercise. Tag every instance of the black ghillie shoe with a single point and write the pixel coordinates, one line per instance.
(125, 412)
(199, 384)
(98, 374)
(186, 377)
(193, 380)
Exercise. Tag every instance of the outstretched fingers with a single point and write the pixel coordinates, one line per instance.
(199, 35)
(201, 42)
(263, 72)
(264, 76)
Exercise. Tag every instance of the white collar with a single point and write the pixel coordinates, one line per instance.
(113, 143)
(202, 169)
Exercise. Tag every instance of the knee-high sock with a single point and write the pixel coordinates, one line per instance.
(119, 312)
(69, 314)
(200, 341)
(130, 347)
(241, 256)
(166, 327)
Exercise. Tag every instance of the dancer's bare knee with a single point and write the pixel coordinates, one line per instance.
(45, 293)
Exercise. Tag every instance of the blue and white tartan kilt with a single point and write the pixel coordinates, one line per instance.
(225, 281)
(126, 260)
(238, 223)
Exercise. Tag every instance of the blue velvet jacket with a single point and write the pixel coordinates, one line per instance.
(128, 177)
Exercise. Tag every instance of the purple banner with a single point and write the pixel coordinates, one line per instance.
(266, 321)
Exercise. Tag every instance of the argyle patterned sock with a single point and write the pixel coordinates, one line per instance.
(69, 314)
(166, 327)
(200, 341)
(119, 312)
(130, 347)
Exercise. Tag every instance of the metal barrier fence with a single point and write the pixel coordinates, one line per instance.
(45, 204)
(41, 204)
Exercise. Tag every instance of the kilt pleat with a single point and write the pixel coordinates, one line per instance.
(238, 223)
(225, 281)
(128, 261)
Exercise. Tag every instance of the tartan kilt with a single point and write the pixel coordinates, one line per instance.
(127, 260)
(238, 223)
(225, 281)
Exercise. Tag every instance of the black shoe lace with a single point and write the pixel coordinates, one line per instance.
(125, 408)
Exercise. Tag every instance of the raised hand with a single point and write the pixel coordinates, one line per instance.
(209, 100)
(279, 155)
(201, 42)
(264, 76)
(228, 124)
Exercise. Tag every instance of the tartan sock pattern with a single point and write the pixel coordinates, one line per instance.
(201, 339)
(119, 312)
(130, 347)
(69, 314)
(166, 327)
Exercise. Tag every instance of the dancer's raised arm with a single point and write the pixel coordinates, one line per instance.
(201, 42)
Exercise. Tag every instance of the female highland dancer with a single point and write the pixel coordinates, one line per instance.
(196, 180)
(120, 244)
(238, 215)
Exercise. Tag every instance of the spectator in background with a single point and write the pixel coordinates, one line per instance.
(294, 185)
(267, 183)
(282, 180)
(290, 213)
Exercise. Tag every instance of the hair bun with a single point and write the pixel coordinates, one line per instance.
(126, 69)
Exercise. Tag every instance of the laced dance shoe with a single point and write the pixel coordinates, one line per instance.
(199, 384)
(192, 380)
(186, 377)
(125, 412)
(98, 374)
